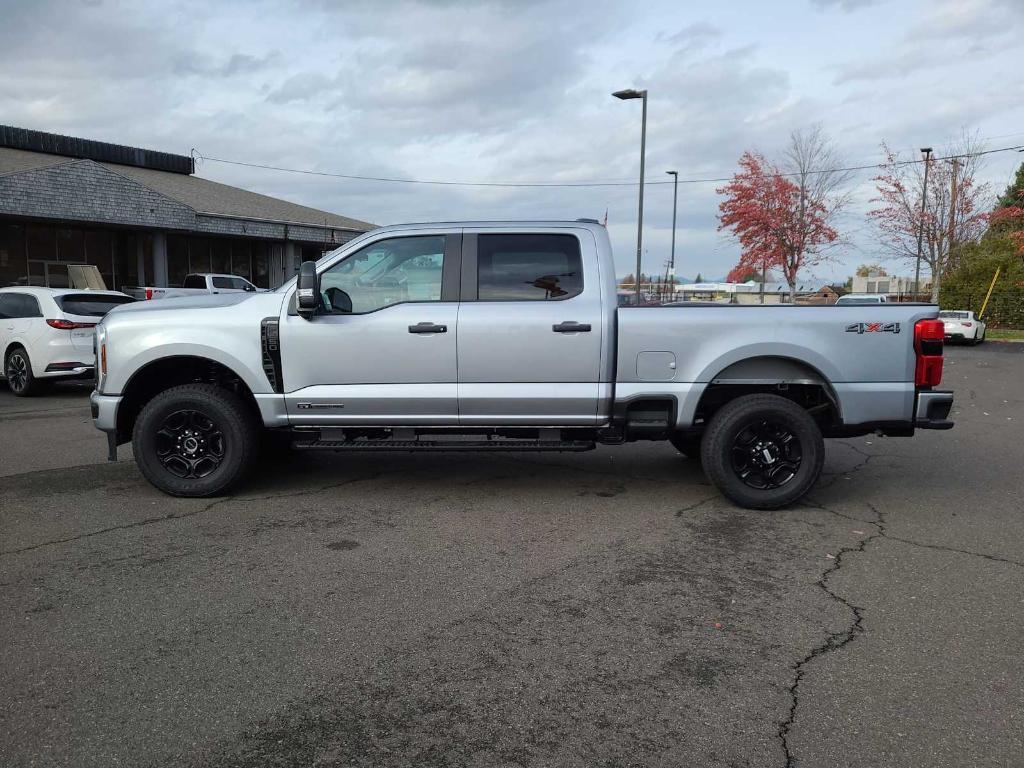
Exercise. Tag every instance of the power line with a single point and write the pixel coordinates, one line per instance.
(572, 184)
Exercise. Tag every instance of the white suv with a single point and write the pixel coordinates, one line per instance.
(47, 334)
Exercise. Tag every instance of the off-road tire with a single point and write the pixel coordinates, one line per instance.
(731, 420)
(234, 421)
(31, 384)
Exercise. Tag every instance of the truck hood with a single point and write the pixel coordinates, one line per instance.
(207, 301)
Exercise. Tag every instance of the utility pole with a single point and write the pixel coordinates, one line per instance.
(672, 258)
(927, 152)
(952, 206)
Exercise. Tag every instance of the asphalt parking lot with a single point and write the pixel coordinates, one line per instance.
(597, 609)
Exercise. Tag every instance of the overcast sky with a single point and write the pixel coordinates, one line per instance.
(518, 90)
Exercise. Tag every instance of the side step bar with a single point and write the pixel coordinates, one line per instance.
(445, 445)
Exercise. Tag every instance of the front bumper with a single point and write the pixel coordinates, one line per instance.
(104, 411)
(933, 407)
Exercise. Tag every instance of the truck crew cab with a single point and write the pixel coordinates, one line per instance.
(505, 337)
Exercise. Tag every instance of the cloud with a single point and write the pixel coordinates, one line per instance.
(505, 90)
(845, 5)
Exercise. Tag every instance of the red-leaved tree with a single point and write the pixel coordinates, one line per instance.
(953, 207)
(782, 216)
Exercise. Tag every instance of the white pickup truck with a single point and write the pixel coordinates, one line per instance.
(505, 337)
(194, 285)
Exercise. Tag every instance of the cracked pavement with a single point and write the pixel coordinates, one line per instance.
(594, 609)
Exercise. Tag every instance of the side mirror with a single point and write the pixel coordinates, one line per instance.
(307, 293)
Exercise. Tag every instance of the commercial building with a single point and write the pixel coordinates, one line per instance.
(143, 217)
(894, 286)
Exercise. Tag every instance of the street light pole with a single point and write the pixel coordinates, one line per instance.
(927, 152)
(625, 95)
(672, 258)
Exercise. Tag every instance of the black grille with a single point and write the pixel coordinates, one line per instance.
(270, 345)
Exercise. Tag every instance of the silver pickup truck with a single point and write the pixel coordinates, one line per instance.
(505, 337)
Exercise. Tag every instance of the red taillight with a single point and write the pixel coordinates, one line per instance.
(67, 325)
(149, 293)
(928, 335)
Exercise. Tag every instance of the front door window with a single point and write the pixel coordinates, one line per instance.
(388, 272)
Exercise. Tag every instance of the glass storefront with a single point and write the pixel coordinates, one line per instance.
(38, 254)
(187, 254)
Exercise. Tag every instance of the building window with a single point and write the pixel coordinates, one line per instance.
(71, 246)
(260, 266)
(198, 255)
(179, 260)
(98, 252)
(872, 286)
(241, 261)
(13, 265)
(220, 255)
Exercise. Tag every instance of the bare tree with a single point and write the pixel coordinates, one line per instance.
(953, 210)
(816, 167)
(784, 216)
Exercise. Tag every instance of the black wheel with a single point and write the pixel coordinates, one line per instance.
(763, 451)
(195, 440)
(18, 370)
(687, 444)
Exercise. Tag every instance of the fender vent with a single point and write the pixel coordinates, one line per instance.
(270, 345)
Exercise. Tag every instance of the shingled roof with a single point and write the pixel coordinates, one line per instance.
(201, 195)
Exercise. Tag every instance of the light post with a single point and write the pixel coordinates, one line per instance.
(672, 258)
(625, 95)
(927, 152)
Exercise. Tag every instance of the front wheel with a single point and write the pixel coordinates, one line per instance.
(763, 451)
(195, 440)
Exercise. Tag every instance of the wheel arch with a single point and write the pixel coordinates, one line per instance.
(162, 374)
(793, 378)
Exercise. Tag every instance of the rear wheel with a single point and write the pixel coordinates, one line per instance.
(18, 370)
(195, 440)
(763, 451)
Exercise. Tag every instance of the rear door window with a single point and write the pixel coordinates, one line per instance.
(528, 267)
(18, 305)
(195, 281)
(90, 305)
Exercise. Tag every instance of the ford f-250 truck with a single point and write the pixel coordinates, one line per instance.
(196, 284)
(505, 337)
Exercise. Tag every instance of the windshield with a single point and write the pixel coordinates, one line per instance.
(858, 300)
(955, 315)
(90, 305)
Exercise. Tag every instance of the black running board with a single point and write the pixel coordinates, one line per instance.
(574, 446)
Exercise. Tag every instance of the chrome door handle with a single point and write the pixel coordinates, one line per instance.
(428, 328)
(571, 326)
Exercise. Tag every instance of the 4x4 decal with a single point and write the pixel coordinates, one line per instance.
(873, 328)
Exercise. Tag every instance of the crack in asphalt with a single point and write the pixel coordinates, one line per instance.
(838, 640)
(125, 526)
(193, 513)
(834, 641)
(910, 542)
